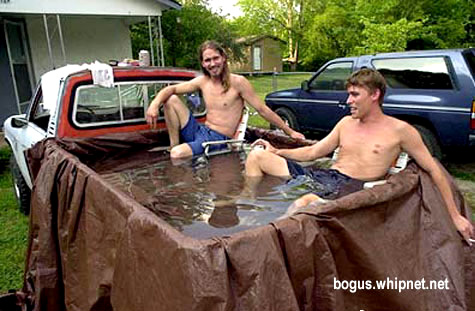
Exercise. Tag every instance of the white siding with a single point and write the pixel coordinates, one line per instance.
(86, 39)
(83, 7)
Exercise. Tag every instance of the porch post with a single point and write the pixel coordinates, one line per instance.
(63, 50)
(151, 39)
(158, 42)
(50, 52)
(161, 39)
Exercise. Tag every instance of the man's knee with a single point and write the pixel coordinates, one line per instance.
(181, 151)
(256, 156)
(173, 102)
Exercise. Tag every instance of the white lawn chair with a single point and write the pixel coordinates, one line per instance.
(233, 144)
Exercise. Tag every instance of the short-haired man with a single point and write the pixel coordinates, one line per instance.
(224, 94)
(369, 141)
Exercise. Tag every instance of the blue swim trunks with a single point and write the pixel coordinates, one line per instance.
(195, 133)
(329, 183)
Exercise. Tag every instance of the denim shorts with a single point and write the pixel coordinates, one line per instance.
(331, 184)
(195, 133)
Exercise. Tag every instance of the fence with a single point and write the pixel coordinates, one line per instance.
(266, 82)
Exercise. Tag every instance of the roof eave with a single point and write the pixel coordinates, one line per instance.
(170, 3)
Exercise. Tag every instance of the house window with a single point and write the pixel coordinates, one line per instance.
(257, 59)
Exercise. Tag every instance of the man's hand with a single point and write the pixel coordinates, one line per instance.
(297, 135)
(264, 143)
(464, 227)
(152, 115)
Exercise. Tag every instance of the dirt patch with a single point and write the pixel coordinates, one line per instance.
(468, 191)
(462, 165)
(2, 140)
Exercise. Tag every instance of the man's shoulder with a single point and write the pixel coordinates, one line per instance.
(239, 82)
(396, 123)
(345, 120)
(237, 78)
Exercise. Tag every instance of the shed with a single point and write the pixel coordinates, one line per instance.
(41, 35)
(261, 54)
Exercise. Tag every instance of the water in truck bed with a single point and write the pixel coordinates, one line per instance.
(204, 197)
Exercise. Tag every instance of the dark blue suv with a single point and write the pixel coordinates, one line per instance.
(432, 90)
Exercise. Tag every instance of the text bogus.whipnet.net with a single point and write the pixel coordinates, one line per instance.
(391, 284)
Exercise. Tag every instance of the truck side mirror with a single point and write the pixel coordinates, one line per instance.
(19, 122)
(305, 86)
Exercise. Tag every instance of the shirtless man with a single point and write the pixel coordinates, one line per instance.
(369, 142)
(224, 94)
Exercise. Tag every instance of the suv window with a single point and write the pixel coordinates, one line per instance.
(332, 78)
(415, 73)
(125, 102)
(470, 59)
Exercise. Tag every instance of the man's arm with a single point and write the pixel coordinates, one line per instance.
(250, 96)
(164, 95)
(309, 153)
(412, 143)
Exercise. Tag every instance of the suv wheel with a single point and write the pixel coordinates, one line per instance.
(20, 187)
(430, 140)
(288, 117)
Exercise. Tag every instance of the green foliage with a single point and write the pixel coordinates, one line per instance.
(329, 36)
(316, 31)
(183, 32)
(324, 29)
(379, 38)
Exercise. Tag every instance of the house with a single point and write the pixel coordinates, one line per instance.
(261, 53)
(40, 35)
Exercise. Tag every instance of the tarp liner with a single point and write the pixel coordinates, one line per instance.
(91, 247)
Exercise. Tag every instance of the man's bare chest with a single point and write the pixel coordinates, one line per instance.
(369, 146)
(216, 99)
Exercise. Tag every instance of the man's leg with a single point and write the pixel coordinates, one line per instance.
(305, 200)
(176, 117)
(302, 202)
(260, 162)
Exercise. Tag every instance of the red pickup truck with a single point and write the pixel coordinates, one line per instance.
(68, 104)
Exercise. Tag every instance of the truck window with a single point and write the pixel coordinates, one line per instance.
(332, 78)
(125, 102)
(415, 73)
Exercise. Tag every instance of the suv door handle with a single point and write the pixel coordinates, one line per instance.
(342, 105)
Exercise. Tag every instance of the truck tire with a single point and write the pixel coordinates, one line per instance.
(20, 187)
(288, 117)
(430, 141)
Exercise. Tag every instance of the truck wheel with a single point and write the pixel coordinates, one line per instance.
(20, 187)
(430, 140)
(288, 117)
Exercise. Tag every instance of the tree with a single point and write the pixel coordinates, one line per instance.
(355, 27)
(285, 19)
(183, 32)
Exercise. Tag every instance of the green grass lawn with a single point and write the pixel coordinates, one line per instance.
(13, 231)
(265, 84)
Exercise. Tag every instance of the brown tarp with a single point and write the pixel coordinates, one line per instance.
(91, 247)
